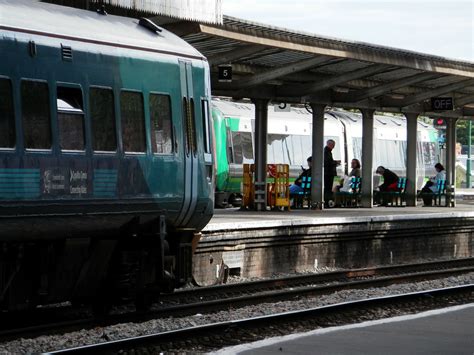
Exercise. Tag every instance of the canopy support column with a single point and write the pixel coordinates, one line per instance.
(412, 133)
(367, 157)
(261, 129)
(317, 196)
(451, 158)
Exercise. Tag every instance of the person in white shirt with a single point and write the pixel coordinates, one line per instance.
(431, 186)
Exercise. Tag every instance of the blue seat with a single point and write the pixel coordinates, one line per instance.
(439, 194)
(350, 199)
(305, 194)
(395, 198)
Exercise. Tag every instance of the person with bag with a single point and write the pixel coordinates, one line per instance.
(296, 187)
(431, 186)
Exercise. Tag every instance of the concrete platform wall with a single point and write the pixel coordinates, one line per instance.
(261, 252)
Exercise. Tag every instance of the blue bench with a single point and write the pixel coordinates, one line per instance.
(350, 199)
(305, 195)
(439, 194)
(395, 198)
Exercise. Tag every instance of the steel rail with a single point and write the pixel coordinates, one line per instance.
(222, 328)
(220, 297)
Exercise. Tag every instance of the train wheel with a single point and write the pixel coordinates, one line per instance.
(143, 302)
(101, 306)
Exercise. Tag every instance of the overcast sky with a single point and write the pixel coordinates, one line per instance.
(444, 28)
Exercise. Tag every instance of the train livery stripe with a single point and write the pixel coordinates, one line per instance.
(105, 183)
(17, 184)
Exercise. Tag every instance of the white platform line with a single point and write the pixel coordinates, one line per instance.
(271, 341)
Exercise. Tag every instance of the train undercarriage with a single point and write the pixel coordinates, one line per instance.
(134, 265)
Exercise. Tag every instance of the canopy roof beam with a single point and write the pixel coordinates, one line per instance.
(387, 87)
(272, 74)
(306, 90)
(465, 100)
(235, 54)
(435, 92)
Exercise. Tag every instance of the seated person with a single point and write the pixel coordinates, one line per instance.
(390, 183)
(296, 187)
(431, 186)
(355, 166)
(390, 180)
(346, 182)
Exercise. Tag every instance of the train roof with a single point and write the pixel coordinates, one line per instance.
(34, 17)
(246, 110)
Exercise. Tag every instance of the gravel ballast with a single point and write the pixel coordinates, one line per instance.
(125, 330)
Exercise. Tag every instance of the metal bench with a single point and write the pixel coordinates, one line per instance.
(305, 195)
(441, 191)
(395, 198)
(350, 199)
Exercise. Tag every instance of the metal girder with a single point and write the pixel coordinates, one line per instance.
(282, 71)
(464, 100)
(337, 49)
(307, 90)
(235, 54)
(387, 87)
(435, 92)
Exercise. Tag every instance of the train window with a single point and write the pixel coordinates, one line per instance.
(70, 118)
(205, 125)
(101, 102)
(36, 114)
(297, 155)
(307, 149)
(189, 123)
(242, 147)
(7, 115)
(277, 151)
(357, 147)
(161, 127)
(192, 125)
(390, 153)
(429, 154)
(133, 121)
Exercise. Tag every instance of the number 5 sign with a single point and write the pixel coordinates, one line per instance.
(225, 73)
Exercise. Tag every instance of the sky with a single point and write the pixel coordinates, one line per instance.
(444, 28)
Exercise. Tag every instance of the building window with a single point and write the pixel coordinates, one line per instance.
(36, 114)
(7, 115)
(103, 119)
(161, 126)
(133, 121)
(70, 118)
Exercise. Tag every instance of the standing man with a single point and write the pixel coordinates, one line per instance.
(329, 169)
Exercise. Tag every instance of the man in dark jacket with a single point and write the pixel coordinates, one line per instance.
(329, 169)
(390, 183)
(390, 179)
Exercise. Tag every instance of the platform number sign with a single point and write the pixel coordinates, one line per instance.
(439, 123)
(225, 73)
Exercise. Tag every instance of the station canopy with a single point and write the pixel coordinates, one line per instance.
(207, 11)
(296, 67)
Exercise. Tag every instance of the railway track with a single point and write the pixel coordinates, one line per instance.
(218, 335)
(215, 298)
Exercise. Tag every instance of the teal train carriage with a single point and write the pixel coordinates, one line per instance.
(106, 163)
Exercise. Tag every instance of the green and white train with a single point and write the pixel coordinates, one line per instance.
(289, 142)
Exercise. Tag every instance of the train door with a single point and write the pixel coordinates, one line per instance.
(190, 144)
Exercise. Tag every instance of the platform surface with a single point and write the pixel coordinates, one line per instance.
(445, 331)
(233, 218)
